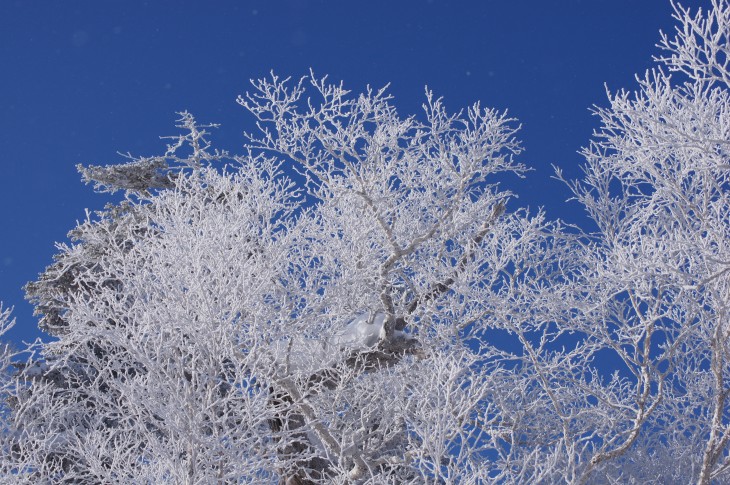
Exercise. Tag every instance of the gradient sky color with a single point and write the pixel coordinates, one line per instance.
(83, 80)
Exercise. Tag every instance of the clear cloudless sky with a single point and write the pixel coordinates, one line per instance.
(83, 80)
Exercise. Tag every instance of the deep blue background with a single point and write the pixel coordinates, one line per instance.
(81, 80)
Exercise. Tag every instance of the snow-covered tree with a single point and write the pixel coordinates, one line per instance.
(323, 315)
(657, 185)
(354, 300)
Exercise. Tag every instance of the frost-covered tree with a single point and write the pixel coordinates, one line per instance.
(353, 300)
(657, 186)
(320, 316)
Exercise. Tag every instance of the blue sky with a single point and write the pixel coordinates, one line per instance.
(83, 80)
